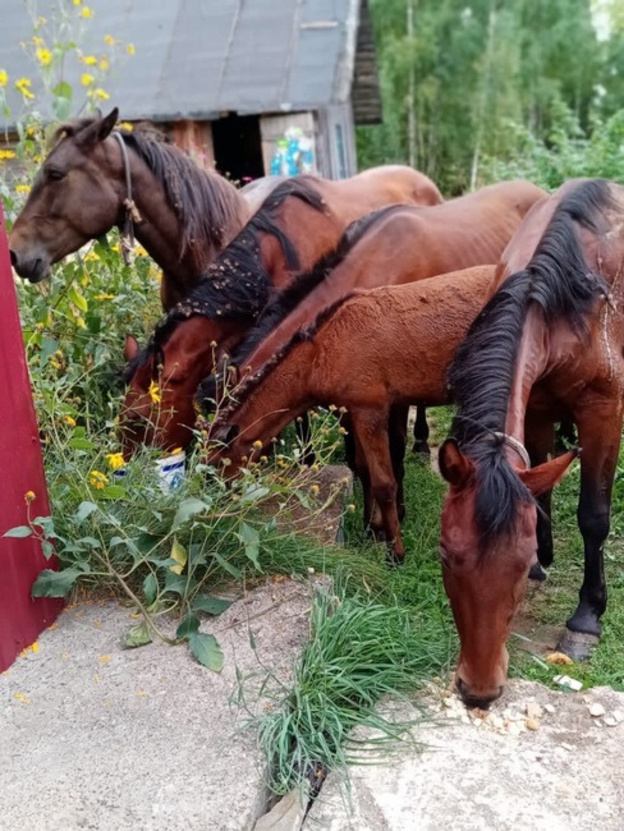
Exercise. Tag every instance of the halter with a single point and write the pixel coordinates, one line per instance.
(132, 212)
(517, 446)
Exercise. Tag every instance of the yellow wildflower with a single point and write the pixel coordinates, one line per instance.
(22, 188)
(90, 60)
(91, 255)
(104, 296)
(126, 125)
(314, 490)
(101, 94)
(115, 460)
(23, 85)
(37, 41)
(29, 496)
(6, 154)
(86, 79)
(109, 39)
(44, 56)
(69, 420)
(98, 480)
(41, 21)
(130, 49)
(77, 2)
(104, 64)
(4, 78)
(258, 444)
(87, 12)
(351, 507)
(154, 392)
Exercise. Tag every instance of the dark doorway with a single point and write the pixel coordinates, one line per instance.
(238, 147)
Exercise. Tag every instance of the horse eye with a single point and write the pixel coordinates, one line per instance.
(56, 175)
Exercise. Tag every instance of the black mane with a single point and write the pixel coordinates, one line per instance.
(236, 286)
(560, 282)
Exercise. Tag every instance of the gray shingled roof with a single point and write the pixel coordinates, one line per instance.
(200, 58)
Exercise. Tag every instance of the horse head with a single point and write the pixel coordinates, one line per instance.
(74, 198)
(485, 572)
(158, 408)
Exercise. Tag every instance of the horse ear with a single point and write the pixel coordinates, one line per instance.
(456, 468)
(544, 477)
(100, 129)
(131, 347)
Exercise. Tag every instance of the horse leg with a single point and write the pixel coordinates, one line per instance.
(421, 432)
(599, 436)
(371, 428)
(398, 440)
(539, 438)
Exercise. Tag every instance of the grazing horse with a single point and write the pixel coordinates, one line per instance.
(397, 244)
(374, 352)
(548, 345)
(301, 220)
(97, 177)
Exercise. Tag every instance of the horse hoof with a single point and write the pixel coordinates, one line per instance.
(536, 572)
(421, 448)
(577, 645)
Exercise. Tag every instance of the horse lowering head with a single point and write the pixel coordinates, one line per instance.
(158, 409)
(72, 199)
(488, 543)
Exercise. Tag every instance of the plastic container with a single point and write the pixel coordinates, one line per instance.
(171, 471)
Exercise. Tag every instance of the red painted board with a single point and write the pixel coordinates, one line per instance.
(22, 618)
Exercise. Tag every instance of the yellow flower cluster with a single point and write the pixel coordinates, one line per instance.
(44, 56)
(104, 296)
(69, 420)
(98, 480)
(87, 12)
(6, 154)
(154, 393)
(22, 188)
(86, 79)
(4, 78)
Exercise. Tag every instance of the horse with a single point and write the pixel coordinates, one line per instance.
(418, 242)
(97, 177)
(548, 345)
(373, 352)
(301, 220)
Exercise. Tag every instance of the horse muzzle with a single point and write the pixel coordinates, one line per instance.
(34, 269)
(470, 699)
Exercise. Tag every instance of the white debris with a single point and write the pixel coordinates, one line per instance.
(596, 710)
(566, 681)
(533, 710)
(550, 708)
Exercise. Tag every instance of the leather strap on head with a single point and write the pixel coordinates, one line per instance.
(132, 212)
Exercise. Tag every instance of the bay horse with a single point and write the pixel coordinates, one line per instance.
(548, 345)
(97, 177)
(373, 352)
(396, 244)
(301, 220)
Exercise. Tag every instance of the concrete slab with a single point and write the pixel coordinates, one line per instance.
(93, 736)
(540, 761)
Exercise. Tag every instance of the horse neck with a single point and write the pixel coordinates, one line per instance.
(161, 234)
(534, 356)
(278, 399)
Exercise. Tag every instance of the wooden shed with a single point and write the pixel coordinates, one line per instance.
(252, 86)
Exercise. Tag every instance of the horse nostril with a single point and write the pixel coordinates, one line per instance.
(13, 258)
(470, 700)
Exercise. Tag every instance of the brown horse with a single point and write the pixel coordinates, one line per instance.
(548, 345)
(417, 242)
(374, 352)
(301, 220)
(97, 177)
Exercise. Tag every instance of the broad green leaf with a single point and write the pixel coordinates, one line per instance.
(77, 298)
(80, 443)
(176, 583)
(84, 510)
(150, 588)
(210, 604)
(188, 626)
(251, 542)
(188, 508)
(113, 492)
(55, 583)
(137, 636)
(180, 555)
(205, 649)
(235, 572)
(63, 89)
(253, 494)
(19, 531)
(47, 548)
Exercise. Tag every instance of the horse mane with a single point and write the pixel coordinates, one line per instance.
(207, 389)
(237, 286)
(204, 201)
(560, 282)
(285, 301)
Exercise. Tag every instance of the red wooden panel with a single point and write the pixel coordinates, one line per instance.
(22, 618)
